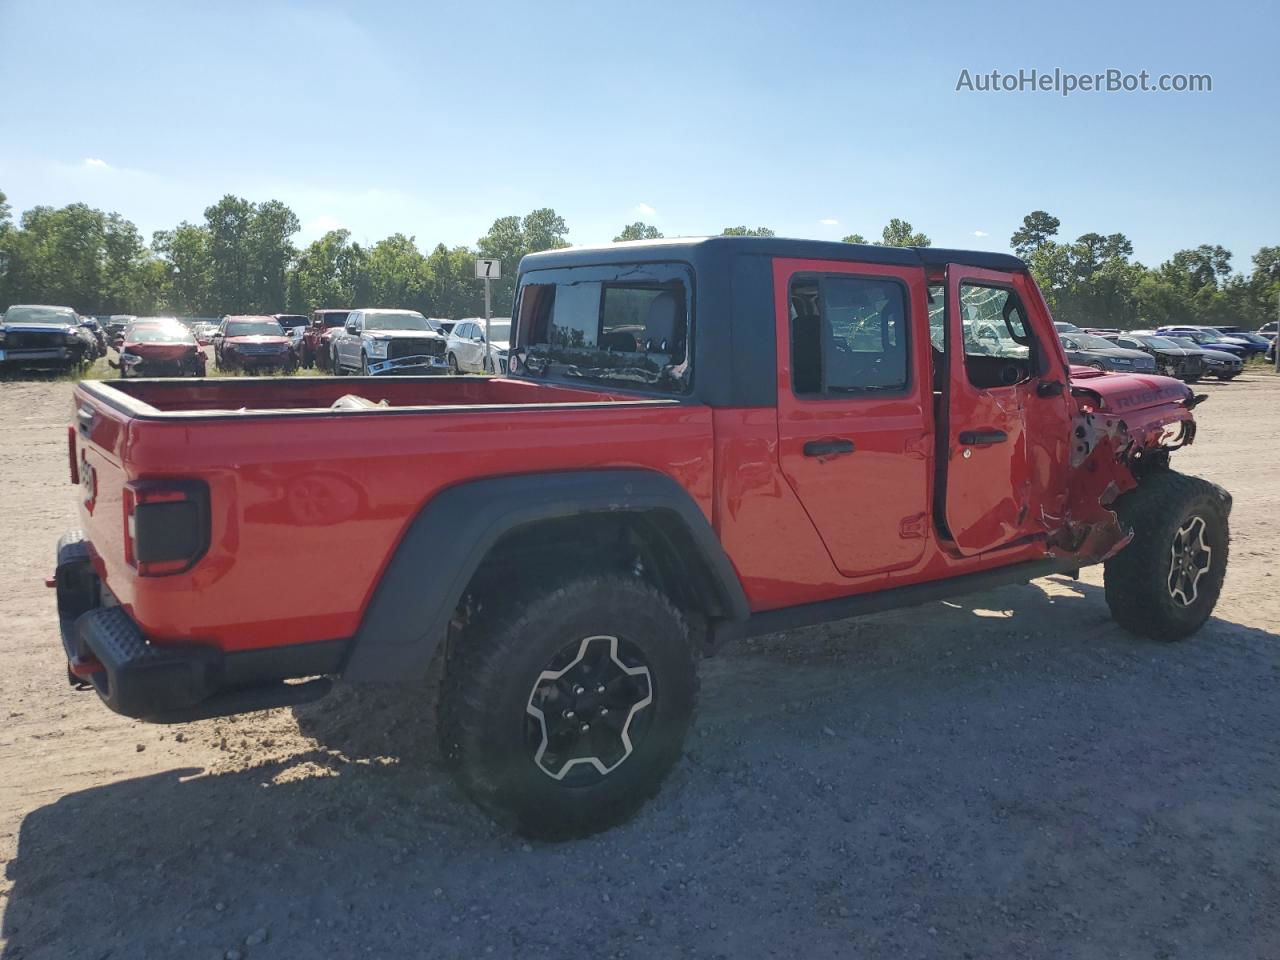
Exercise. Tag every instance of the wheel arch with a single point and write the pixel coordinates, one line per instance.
(483, 528)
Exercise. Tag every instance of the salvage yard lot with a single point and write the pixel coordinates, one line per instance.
(1007, 775)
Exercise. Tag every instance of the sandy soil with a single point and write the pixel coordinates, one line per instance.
(1009, 775)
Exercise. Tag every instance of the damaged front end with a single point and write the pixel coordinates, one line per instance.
(1124, 425)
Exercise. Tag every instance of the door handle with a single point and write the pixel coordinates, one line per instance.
(828, 448)
(971, 438)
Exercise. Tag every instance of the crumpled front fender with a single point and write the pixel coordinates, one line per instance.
(1124, 424)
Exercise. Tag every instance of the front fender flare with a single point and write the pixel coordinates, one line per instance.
(446, 542)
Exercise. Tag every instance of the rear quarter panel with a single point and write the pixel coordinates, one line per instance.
(329, 497)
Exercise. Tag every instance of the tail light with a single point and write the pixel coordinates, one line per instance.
(166, 525)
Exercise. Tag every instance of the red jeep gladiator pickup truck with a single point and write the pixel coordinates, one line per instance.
(698, 440)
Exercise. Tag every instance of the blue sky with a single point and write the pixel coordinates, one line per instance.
(433, 119)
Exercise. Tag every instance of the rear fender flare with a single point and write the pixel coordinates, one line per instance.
(414, 600)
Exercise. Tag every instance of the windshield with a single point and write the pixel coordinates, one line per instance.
(395, 320)
(1160, 343)
(289, 320)
(1089, 341)
(159, 333)
(1183, 341)
(252, 328)
(40, 315)
(335, 319)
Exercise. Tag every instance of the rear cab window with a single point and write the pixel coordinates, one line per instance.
(629, 326)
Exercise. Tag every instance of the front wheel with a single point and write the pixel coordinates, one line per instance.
(453, 366)
(364, 365)
(1166, 582)
(563, 710)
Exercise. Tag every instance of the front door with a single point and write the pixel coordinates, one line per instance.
(1007, 411)
(854, 440)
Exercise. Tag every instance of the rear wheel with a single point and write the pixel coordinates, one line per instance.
(563, 710)
(1166, 582)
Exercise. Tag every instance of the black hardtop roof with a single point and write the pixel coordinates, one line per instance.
(692, 249)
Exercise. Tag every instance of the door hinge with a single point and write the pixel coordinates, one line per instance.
(913, 528)
(918, 446)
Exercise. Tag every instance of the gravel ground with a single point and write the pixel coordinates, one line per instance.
(1006, 775)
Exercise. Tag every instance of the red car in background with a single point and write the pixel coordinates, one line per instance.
(159, 347)
(316, 349)
(252, 343)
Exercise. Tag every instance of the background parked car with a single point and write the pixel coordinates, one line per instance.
(388, 341)
(1063, 327)
(42, 337)
(1212, 338)
(1171, 359)
(1268, 330)
(252, 343)
(289, 320)
(317, 350)
(159, 347)
(466, 346)
(115, 328)
(1223, 365)
(1100, 353)
(99, 335)
(295, 335)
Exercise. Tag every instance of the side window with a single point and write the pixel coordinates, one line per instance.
(1069, 343)
(999, 348)
(463, 331)
(634, 332)
(848, 335)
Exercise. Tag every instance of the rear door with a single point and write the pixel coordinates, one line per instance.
(853, 430)
(1007, 409)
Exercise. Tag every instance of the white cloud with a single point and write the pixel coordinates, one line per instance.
(323, 224)
(644, 210)
(95, 162)
(829, 222)
(980, 233)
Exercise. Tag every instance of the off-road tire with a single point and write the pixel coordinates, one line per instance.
(1137, 579)
(495, 663)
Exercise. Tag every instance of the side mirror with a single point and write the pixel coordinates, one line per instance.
(351, 328)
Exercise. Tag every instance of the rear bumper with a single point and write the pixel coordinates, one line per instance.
(106, 650)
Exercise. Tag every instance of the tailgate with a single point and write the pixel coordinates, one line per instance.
(97, 443)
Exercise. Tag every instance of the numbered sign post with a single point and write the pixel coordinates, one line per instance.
(488, 269)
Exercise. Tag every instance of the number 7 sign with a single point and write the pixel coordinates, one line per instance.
(487, 269)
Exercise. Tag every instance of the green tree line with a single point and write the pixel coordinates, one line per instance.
(242, 259)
